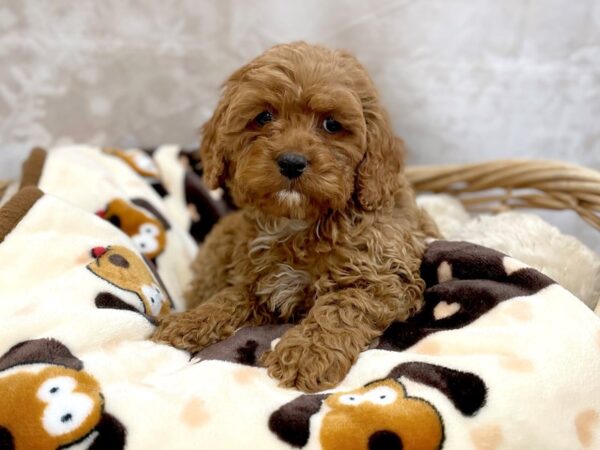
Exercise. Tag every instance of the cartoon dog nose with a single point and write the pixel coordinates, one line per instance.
(291, 165)
(97, 252)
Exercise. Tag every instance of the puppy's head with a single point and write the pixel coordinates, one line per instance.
(300, 131)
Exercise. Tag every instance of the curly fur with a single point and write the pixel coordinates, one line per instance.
(337, 250)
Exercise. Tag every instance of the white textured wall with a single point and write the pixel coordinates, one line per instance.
(465, 80)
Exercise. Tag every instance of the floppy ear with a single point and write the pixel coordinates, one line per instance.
(211, 149)
(145, 204)
(291, 422)
(466, 391)
(40, 351)
(111, 434)
(380, 173)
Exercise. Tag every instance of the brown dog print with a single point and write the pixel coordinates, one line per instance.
(146, 227)
(50, 402)
(380, 415)
(124, 269)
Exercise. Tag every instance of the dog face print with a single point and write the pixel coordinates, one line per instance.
(148, 233)
(124, 269)
(380, 416)
(60, 406)
(50, 402)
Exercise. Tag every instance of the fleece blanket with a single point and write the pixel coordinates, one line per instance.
(500, 357)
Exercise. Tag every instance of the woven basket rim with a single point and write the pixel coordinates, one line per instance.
(522, 182)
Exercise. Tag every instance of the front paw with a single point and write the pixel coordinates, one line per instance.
(309, 368)
(185, 331)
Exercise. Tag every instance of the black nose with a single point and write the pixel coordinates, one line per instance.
(291, 165)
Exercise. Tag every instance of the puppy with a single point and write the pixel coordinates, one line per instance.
(328, 235)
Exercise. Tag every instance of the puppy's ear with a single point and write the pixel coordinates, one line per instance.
(380, 173)
(211, 148)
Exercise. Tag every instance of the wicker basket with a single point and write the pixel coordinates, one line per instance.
(3, 186)
(497, 186)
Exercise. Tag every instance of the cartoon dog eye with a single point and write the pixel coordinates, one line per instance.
(149, 229)
(382, 395)
(351, 399)
(66, 410)
(146, 240)
(156, 297)
(56, 387)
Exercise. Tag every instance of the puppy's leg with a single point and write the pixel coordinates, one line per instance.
(214, 259)
(318, 353)
(211, 321)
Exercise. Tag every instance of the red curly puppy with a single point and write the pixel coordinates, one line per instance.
(328, 235)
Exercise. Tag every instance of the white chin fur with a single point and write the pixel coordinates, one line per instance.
(291, 198)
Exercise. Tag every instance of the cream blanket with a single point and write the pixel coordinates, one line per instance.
(501, 357)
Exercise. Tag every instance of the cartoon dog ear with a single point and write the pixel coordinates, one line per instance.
(111, 434)
(465, 390)
(145, 204)
(291, 422)
(106, 300)
(468, 261)
(45, 351)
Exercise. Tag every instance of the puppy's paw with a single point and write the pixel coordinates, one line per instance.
(185, 331)
(309, 368)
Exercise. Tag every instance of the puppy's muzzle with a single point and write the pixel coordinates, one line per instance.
(291, 165)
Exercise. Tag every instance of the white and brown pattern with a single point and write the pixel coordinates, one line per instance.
(497, 350)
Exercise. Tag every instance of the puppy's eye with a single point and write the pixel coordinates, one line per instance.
(331, 125)
(263, 118)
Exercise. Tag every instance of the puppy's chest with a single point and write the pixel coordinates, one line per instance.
(287, 279)
(287, 290)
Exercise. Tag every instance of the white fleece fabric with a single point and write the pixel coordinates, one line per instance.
(504, 359)
(501, 357)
